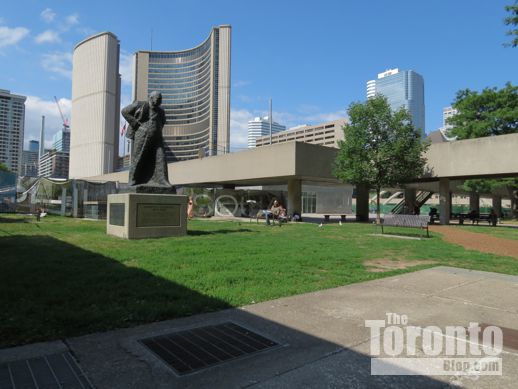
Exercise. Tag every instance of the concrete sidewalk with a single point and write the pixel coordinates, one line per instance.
(323, 340)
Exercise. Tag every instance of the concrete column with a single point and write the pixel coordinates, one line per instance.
(497, 205)
(63, 201)
(444, 200)
(294, 196)
(362, 203)
(410, 202)
(75, 199)
(474, 202)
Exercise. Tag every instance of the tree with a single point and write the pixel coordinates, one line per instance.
(512, 20)
(381, 147)
(3, 167)
(483, 186)
(491, 112)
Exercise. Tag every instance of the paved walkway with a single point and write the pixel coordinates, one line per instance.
(478, 241)
(323, 338)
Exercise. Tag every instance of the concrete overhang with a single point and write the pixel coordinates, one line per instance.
(267, 165)
(488, 157)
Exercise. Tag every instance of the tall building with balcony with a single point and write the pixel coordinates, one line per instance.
(402, 88)
(261, 127)
(195, 87)
(94, 138)
(12, 122)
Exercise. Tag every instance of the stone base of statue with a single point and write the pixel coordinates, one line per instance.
(140, 214)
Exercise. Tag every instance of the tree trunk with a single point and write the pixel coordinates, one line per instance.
(378, 210)
(513, 195)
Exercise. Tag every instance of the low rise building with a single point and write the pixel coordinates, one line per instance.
(54, 164)
(325, 134)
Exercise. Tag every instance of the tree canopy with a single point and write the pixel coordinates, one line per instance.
(3, 167)
(490, 112)
(512, 21)
(381, 147)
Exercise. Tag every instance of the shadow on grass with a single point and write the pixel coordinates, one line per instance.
(15, 220)
(408, 235)
(50, 289)
(217, 232)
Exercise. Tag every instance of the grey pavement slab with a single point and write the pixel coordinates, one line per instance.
(324, 341)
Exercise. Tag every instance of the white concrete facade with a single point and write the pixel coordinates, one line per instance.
(94, 138)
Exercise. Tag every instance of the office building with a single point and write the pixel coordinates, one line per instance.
(12, 121)
(195, 87)
(34, 145)
(325, 134)
(29, 165)
(448, 112)
(261, 127)
(54, 164)
(61, 140)
(402, 88)
(94, 137)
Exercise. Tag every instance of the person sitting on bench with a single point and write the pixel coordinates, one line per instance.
(274, 212)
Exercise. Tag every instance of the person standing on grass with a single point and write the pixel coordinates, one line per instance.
(190, 208)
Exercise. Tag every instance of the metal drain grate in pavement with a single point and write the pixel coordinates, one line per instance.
(51, 371)
(199, 348)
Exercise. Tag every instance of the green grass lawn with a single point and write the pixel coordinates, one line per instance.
(65, 277)
(499, 231)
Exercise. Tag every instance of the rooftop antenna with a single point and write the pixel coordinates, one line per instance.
(271, 121)
(42, 139)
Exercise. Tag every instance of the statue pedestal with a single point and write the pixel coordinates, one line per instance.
(144, 215)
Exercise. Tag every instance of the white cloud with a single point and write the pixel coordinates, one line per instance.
(48, 15)
(59, 63)
(72, 20)
(240, 83)
(126, 67)
(11, 36)
(35, 107)
(48, 36)
(239, 128)
(325, 117)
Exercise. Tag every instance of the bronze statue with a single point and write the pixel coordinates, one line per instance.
(145, 123)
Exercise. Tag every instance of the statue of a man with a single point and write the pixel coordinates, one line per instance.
(148, 162)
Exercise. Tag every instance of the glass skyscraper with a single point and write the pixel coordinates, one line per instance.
(195, 87)
(402, 89)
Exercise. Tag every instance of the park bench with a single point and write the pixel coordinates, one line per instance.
(328, 216)
(415, 221)
(481, 217)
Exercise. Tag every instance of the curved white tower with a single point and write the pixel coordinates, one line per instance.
(94, 134)
(195, 87)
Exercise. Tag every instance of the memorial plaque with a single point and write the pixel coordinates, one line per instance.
(117, 214)
(158, 215)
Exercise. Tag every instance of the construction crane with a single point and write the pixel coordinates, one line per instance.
(63, 118)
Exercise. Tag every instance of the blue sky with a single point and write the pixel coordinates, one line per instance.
(312, 58)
